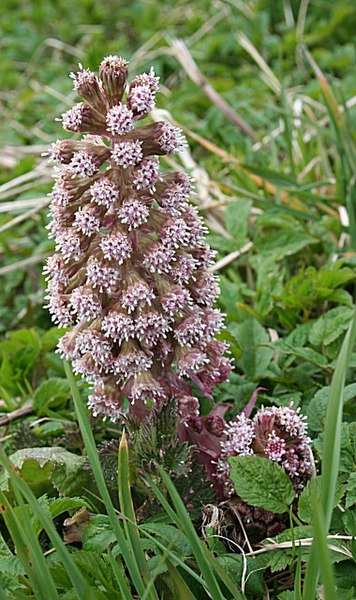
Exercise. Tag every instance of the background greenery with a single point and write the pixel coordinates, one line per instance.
(280, 205)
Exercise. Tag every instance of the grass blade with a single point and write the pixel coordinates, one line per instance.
(231, 586)
(44, 579)
(90, 446)
(127, 510)
(333, 420)
(120, 576)
(27, 548)
(331, 454)
(181, 589)
(184, 522)
(326, 567)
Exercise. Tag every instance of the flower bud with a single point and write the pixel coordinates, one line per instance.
(113, 74)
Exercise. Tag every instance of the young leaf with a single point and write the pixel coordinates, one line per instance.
(261, 482)
(253, 339)
(237, 214)
(49, 394)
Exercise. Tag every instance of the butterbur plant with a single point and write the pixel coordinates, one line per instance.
(278, 433)
(130, 276)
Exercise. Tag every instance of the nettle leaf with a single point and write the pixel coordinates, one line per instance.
(171, 537)
(330, 326)
(50, 394)
(50, 338)
(347, 450)
(98, 536)
(57, 506)
(256, 355)
(305, 502)
(351, 490)
(332, 279)
(317, 406)
(220, 243)
(280, 558)
(261, 482)
(233, 565)
(307, 354)
(284, 243)
(349, 521)
(11, 565)
(237, 214)
(49, 469)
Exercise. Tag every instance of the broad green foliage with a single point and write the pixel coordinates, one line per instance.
(262, 483)
(49, 470)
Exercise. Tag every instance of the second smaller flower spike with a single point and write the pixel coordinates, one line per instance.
(277, 433)
(131, 273)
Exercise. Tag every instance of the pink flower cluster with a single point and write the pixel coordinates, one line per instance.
(278, 433)
(131, 273)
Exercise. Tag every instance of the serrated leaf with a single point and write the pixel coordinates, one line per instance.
(349, 521)
(12, 566)
(99, 534)
(307, 354)
(305, 502)
(237, 214)
(261, 482)
(233, 566)
(348, 447)
(330, 326)
(317, 406)
(171, 536)
(253, 339)
(46, 469)
(49, 394)
(57, 506)
(351, 491)
(284, 243)
(279, 560)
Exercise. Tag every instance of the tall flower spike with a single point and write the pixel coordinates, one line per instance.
(131, 270)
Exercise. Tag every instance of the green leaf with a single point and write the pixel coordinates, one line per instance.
(253, 339)
(283, 243)
(317, 406)
(50, 394)
(351, 490)
(261, 482)
(233, 565)
(11, 565)
(307, 354)
(98, 535)
(46, 469)
(349, 521)
(305, 500)
(237, 214)
(57, 506)
(330, 326)
(347, 450)
(171, 537)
